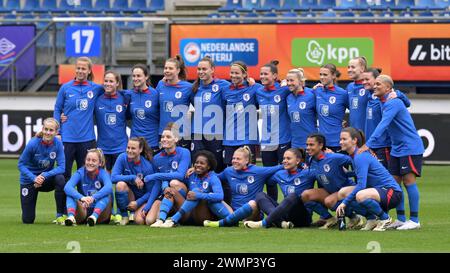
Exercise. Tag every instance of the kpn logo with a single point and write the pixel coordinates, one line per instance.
(315, 52)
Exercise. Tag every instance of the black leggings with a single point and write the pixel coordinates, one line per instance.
(29, 194)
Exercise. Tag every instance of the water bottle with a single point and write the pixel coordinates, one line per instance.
(341, 222)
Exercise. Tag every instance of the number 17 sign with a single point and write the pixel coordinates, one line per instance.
(83, 41)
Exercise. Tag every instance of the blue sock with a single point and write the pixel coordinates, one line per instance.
(122, 202)
(413, 196)
(264, 223)
(313, 206)
(401, 208)
(166, 205)
(187, 206)
(358, 209)
(374, 207)
(100, 206)
(182, 192)
(236, 216)
(219, 209)
(71, 205)
(59, 215)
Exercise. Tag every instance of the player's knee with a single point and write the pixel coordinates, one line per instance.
(306, 196)
(253, 204)
(121, 186)
(342, 194)
(139, 220)
(360, 197)
(329, 202)
(178, 185)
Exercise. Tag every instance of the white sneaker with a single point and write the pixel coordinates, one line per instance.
(396, 224)
(370, 224)
(124, 221)
(70, 221)
(331, 222)
(382, 224)
(357, 222)
(287, 224)
(253, 224)
(157, 224)
(91, 220)
(409, 225)
(169, 224)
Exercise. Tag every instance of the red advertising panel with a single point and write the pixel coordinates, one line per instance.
(67, 73)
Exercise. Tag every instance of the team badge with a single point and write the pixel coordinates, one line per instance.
(44, 163)
(90, 94)
(291, 189)
(246, 96)
(332, 100)
(82, 104)
(296, 116)
(169, 106)
(302, 105)
(174, 165)
(111, 119)
(355, 103)
(272, 109)
(215, 88)
(148, 103)
(251, 179)
(277, 98)
(207, 97)
(239, 107)
(369, 113)
(52, 155)
(362, 92)
(243, 189)
(324, 110)
(323, 179)
(297, 181)
(178, 94)
(326, 168)
(97, 185)
(205, 185)
(24, 192)
(140, 113)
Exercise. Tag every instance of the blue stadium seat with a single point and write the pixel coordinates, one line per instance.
(404, 4)
(443, 4)
(250, 5)
(406, 14)
(291, 17)
(48, 6)
(366, 14)
(31, 6)
(84, 6)
(250, 17)
(156, 5)
(136, 24)
(347, 5)
(231, 5)
(327, 4)
(269, 15)
(347, 14)
(385, 4)
(140, 6)
(327, 14)
(309, 5)
(12, 5)
(425, 4)
(445, 14)
(291, 5)
(102, 6)
(9, 16)
(232, 15)
(270, 5)
(426, 13)
(386, 14)
(64, 7)
(307, 14)
(119, 6)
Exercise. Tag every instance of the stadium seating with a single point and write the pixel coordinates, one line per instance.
(347, 4)
(291, 17)
(156, 5)
(443, 4)
(120, 6)
(327, 14)
(31, 6)
(426, 13)
(251, 17)
(270, 15)
(48, 6)
(139, 6)
(291, 5)
(84, 6)
(249, 5)
(102, 6)
(12, 5)
(327, 4)
(270, 5)
(386, 14)
(231, 5)
(366, 14)
(385, 4)
(309, 5)
(404, 4)
(347, 14)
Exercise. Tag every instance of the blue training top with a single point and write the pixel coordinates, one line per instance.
(329, 171)
(98, 186)
(370, 174)
(39, 157)
(294, 182)
(302, 113)
(245, 184)
(144, 112)
(207, 187)
(398, 122)
(357, 101)
(77, 101)
(110, 115)
(275, 117)
(331, 103)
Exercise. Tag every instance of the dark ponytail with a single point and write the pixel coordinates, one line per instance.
(374, 71)
(146, 71)
(356, 133)
(178, 61)
(299, 153)
(273, 65)
(146, 151)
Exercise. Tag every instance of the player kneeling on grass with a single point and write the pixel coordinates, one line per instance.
(245, 181)
(38, 173)
(293, 180)
(128, 174)
(330, 170)
(376, 190)
(92, 195)
(205, 193)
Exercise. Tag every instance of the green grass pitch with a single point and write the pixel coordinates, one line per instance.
(46, 237)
